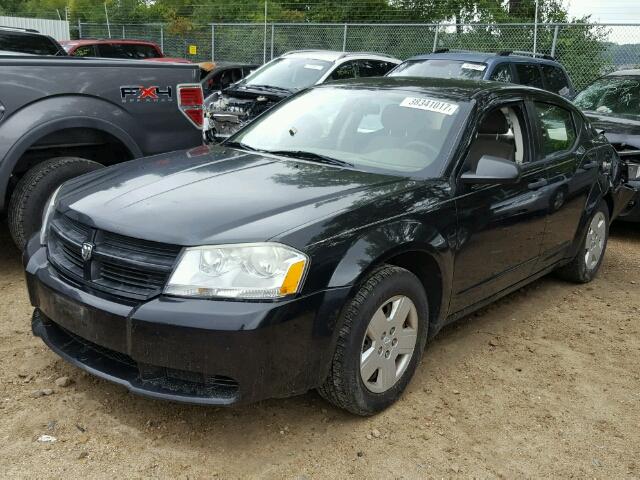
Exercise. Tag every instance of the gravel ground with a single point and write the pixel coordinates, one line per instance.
(545, 383)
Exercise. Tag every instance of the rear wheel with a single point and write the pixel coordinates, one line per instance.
(380, 342)
(34, 189)
(584, 267)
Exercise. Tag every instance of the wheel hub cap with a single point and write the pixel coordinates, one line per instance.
(389, 343)
(596, 238)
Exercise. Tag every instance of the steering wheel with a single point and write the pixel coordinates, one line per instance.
(421, 146)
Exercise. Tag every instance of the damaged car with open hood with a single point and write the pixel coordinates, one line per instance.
(230, 109)
(612, 105)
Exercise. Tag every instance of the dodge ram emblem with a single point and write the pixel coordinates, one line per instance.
(87, 251)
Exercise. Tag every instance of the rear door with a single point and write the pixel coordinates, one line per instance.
(571, 173)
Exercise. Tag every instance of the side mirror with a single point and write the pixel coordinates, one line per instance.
(492, 169)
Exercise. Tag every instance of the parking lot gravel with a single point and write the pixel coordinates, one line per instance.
(544, 383)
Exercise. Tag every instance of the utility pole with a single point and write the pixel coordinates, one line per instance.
(106, 14)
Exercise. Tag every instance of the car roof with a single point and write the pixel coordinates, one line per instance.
(333, 55)
(632, 72)
(485, 57)
(94, 41)
(19, 30)
(453, 89)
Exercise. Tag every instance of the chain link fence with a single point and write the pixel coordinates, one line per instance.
(586, 50)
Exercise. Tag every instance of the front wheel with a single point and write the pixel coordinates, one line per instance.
(380, 342)
(584, 267)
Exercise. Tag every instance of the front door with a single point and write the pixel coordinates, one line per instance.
(500, 227)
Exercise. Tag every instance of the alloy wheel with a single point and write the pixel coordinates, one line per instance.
(389, 343)
(595, 241)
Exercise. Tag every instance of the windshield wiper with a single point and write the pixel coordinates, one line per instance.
(269, 87)
(305, 155)
(241, 146)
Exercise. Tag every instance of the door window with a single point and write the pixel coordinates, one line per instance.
(555, 79)
(344, 71)
(529, 74)
(84, 51)
(373, 68)
(557, 129)
(501, 134)
(502, 73)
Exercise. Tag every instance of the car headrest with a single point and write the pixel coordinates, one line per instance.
(494, 124)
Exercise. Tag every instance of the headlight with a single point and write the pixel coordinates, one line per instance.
(253, 271)
(49, 208)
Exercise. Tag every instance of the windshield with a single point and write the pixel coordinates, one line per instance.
(289, 73)
(390, 130)
(440, 69)
(31, 44)
(612, 95)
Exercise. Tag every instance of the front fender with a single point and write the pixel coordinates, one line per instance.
(28, 125)
(382, 243)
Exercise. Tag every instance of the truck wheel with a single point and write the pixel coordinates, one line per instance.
(34, 189)
(380, 342)
(587, 262)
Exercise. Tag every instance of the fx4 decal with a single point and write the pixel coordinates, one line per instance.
(153, 94)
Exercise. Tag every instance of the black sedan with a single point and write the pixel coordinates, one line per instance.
(323, 244)
(612, 105)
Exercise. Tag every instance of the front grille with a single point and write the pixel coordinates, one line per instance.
(119, 265)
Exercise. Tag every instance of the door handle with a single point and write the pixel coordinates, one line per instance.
(538, 184)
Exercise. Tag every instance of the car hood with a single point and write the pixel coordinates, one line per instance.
(213, 195)
(618, 130)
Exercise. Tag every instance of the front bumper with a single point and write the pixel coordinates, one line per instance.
(186, 350)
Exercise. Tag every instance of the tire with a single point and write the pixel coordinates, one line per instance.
(345, 386)
(34, 190)
(582, 269)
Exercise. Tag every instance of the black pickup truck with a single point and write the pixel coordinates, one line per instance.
(61, 117)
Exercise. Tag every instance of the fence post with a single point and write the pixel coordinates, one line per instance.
(272, 35)
(435, 38)
(344, 39)
(213, 42)
(535, 32)
(123, 34)
(79, 29)
(162, 38)
(555, 41)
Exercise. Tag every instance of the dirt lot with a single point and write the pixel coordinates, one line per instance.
(545, 383)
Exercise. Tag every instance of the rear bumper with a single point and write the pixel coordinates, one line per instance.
(187, 350)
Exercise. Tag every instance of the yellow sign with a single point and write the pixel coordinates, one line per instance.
(193, 49)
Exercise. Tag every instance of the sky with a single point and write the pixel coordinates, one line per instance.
(610, 11)
(606, 11)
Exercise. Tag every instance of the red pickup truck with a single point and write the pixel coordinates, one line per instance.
(114, 48)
